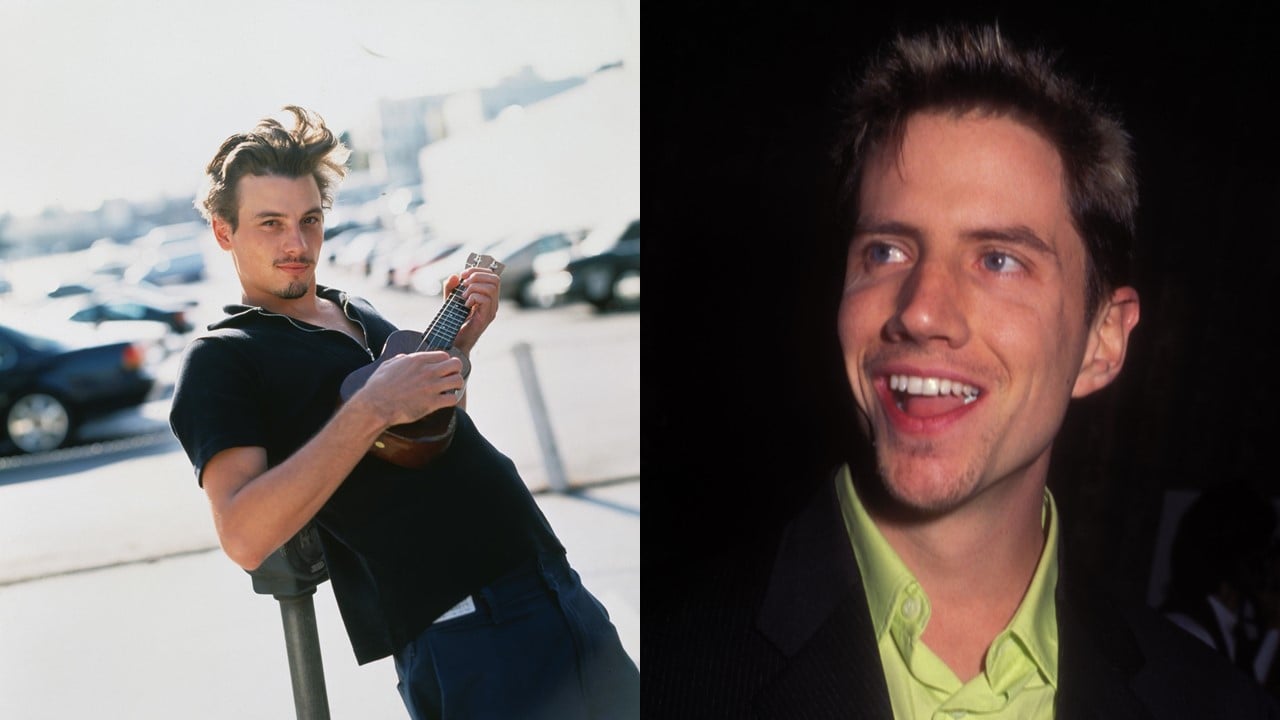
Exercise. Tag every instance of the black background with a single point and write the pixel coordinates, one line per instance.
(743, 401)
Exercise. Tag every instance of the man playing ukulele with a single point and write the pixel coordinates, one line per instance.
(451, 568)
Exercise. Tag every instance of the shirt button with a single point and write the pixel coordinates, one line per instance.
(910, 608)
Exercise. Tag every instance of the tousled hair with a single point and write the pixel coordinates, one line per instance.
(965, 69)
(308, 149)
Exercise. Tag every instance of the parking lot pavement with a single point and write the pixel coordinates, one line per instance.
(186, 636)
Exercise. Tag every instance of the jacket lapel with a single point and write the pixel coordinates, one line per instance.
(815, 612)
(1098, 658)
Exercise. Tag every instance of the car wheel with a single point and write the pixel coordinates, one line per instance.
(525, 296)
(597, 285)
(38, 422)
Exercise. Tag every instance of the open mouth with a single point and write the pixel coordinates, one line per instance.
(920, 396)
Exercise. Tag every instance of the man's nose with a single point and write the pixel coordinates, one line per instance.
(294, 242)
(931, 306)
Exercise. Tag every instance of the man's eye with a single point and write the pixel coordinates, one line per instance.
(884, 254)
(311, 220)
(999, 262)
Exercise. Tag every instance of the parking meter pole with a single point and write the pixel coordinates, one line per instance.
(291, 575)
(302, 642)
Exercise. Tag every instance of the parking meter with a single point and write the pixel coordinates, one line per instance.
(291, 575)
(296, 568)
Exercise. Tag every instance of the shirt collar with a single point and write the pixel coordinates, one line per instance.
(1034, 628)
(1033, 631)
(238, 311)
(883, 575)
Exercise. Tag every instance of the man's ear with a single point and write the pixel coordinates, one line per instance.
(1108, 340)
(222, 232)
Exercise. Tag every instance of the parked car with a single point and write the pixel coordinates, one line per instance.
(429, 279)
(110, 259)
(356, 255)
(411, 257)
(604, 269)
(338, 238)
(70, 288)
(172, 313)
(518, 253)
(390, 253)
(170, 255)
(56, 376)
(167, 269)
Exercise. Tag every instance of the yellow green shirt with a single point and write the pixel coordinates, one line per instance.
(1020, 674)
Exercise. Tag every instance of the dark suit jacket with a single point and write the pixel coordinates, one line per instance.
(782, 630)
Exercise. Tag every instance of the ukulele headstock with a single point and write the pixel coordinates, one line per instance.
(485, 262)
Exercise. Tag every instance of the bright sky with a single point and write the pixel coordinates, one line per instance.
(129, 98)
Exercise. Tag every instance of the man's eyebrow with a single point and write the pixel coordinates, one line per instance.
(276, 213)
(1015, 234)
(1020, 235)
(890, 227)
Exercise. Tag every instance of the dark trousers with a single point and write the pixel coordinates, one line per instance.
(538, 646)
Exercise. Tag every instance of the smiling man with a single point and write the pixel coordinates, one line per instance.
(990, 206)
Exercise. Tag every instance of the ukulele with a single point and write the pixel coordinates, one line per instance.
(415, 444)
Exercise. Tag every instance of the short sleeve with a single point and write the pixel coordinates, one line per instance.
(216, 400)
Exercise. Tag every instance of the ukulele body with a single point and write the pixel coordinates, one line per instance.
(414, 444)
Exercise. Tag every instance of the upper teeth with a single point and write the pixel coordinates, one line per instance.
(930, 386)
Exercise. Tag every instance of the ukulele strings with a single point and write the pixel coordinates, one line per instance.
(447, 322)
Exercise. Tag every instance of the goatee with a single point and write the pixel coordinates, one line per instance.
(292, 291)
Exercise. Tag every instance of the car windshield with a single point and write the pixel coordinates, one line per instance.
(511, 245)
(606, 236)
